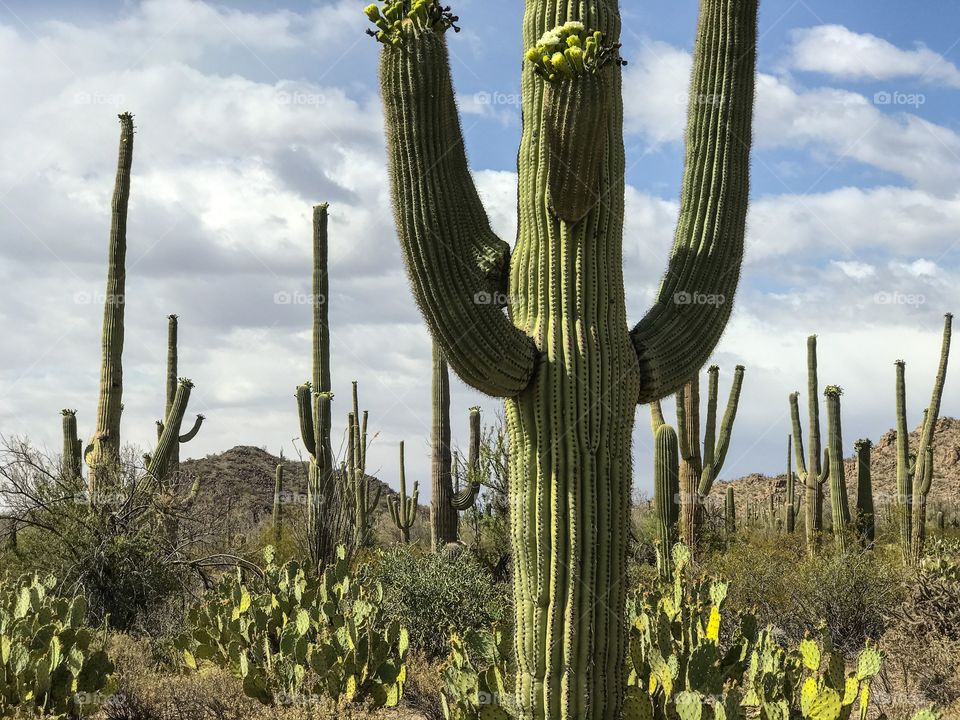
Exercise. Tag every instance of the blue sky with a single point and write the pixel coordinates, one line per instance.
(247, 115)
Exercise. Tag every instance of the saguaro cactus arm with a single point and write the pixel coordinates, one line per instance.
(192, 432)
(933, 411)
(161, 455)
(678, 335)
(456, 264)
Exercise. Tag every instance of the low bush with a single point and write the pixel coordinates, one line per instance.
(432, 594)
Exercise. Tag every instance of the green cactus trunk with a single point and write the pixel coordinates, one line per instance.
(839, 504)
(444, 519)
(789, 506)
(103, 456)
(810, 470)
(666, 483)
(72, 447)
(866, 520)
(730, 513)
(278, 503)
(562, 357)
(313, 405)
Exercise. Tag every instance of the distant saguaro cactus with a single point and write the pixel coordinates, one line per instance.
(562, 356)
(403, 509)
(72, 447)
(789, 503)
(839, 503)
(666, 486)
(915, 470)
(173, 464)
(866, 520)
(467, 497)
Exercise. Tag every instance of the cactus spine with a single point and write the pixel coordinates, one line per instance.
(444, 520)
(698, 472)
(866, 520)
(666, 487)
(72, 447)
(467, 497)
(839, 504)
(915, 472)
(313, 405)
(103, 456)
(403, 509)
(812, 474)
(563, 357)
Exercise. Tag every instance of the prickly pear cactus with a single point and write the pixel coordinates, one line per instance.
(51, 664)
(478, 676)
(294, 636)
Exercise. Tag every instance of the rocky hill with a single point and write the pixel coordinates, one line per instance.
(883, 465)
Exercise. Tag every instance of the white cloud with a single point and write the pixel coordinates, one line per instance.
(855, 270)
(842, 53)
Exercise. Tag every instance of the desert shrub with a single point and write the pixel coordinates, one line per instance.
(51, 662)
(784, 586)
(293, 638)
(920, 669)
(431, 594)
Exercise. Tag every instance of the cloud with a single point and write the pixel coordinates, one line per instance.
(839, 52)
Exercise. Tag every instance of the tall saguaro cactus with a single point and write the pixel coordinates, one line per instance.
(562, 356)
(915, 470)
(103, 455)
(812, 473)
(358, 482)
(313, 405)
(839, 504)
(699, 471)
(467, 497)
(444, 520)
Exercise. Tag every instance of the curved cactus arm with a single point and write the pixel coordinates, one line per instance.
(192, 433)
(305, 412)
(161, 454)
(656, 416)
(798, 437)
(675, 338)
(456, 264)
(716, 454)
(933, 411)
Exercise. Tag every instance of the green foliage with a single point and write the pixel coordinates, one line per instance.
(49, 663)
(431, 593)
(293, 636)
(477, 676)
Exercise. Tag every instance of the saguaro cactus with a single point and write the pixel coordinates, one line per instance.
(698, 472)
(839, 504)
(813, 474)
(278, 502)
(866, 522)
(915, 471)
(313, 405)
(730, 512)
(173, 464)
(790, 508)
(444, 520)
(355, 472)
(72, 447)
(403, 509)
(103, 454)
(467, 497)
(666, 485)
(562, 357)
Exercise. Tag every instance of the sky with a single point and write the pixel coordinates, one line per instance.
(248, 114)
